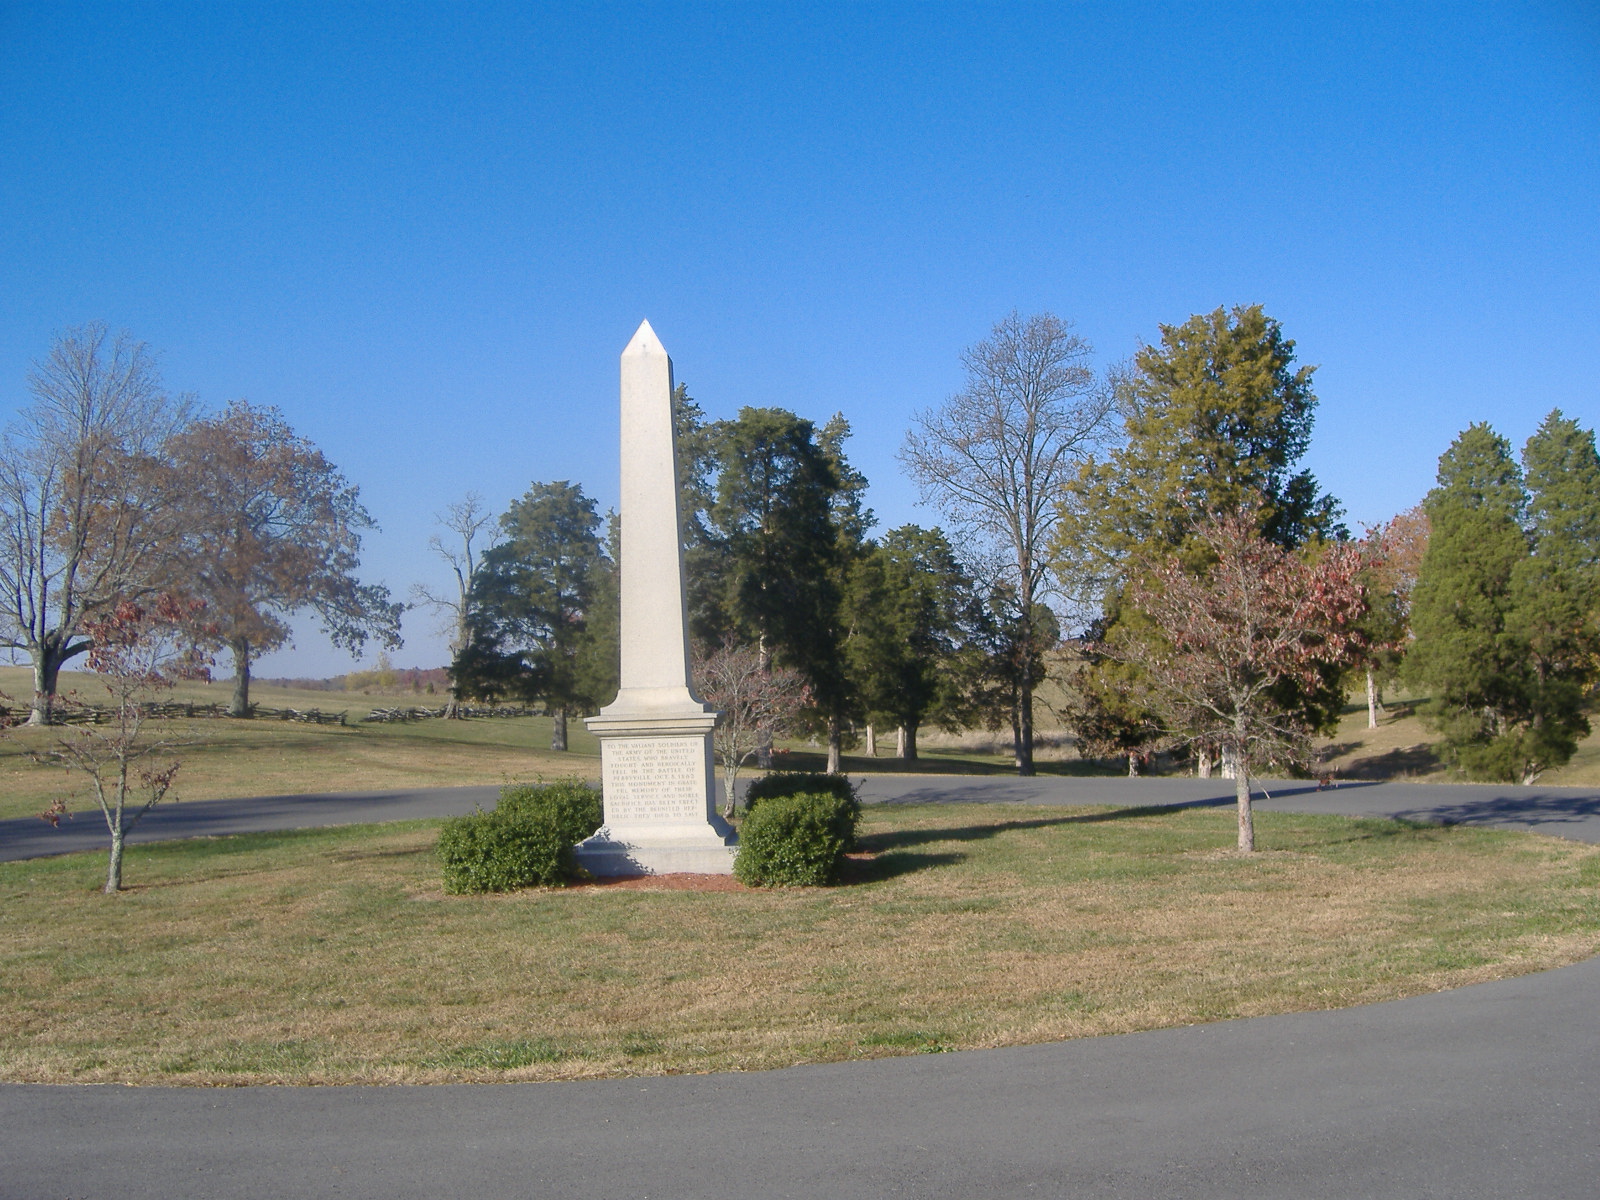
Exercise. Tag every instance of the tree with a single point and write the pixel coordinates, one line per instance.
(1557, 588)
(757, 701)
(996, 456)
(531, 604)
(1394, 557)
(1215, 420)
(272, 528)
(772, 520)
(910, 610)
(1234, 642)
(86, 519)
(1499, 625)
(138, 650)
(466, 519)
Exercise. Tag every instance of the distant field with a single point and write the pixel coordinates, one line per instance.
(225, 758)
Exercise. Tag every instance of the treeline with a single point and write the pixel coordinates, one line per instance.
(1226, 609)
(115, 492)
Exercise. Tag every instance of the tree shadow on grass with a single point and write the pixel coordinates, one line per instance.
(896, 839)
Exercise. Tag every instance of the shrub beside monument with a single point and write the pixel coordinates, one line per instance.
(798, 829)
(526, 841)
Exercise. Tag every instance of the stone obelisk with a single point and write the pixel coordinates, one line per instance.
(655, 737)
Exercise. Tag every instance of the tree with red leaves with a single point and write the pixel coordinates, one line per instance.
(139, 651)
(1232, 645)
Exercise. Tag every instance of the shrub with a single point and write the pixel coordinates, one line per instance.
(526, 841)
(797, 840)
(795, 783)
(571, 805)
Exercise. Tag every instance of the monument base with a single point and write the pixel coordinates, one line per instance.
(657, 775)
(707, 851)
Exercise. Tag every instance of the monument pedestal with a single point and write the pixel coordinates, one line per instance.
(658, 777)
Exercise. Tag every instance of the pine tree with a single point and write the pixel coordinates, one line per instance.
(1505, 694)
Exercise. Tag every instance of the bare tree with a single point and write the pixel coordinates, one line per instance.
(138, 651)
(756, 699)
(994, 460)
(85, 519)
(466, 519)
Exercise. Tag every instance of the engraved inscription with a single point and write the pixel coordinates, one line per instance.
(654, 779)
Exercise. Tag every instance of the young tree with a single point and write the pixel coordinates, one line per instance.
(1394, 557)
(996, 456)
(531, 605)
(272, 528)
(1232, 644)
(757, 700)
(1495, 640)
(466, 520)
(910, 609)
(85, 514)
(138, 650)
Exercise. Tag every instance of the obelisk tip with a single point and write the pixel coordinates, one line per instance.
(645, 341)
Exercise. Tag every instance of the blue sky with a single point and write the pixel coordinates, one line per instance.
(425, 232)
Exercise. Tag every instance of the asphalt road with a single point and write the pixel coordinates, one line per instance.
(1567, 812)
(1487, 1091)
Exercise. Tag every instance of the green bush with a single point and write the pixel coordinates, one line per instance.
(795, 840)
(796, 783)
(525, 842)
(571, 805)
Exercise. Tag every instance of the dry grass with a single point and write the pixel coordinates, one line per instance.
(1403, 747)
(224, 758)
(332, 956)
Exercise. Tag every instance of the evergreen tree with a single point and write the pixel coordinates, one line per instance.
(1557, 589)
(1216, 419)
(1509, 707)
(772, 523)
(909, 605)
(542, 609)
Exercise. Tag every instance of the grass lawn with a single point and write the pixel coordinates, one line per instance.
(223, 758)
(333, 956)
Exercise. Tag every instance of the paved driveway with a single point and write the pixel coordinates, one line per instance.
(1484, 1092)
(1569, 812)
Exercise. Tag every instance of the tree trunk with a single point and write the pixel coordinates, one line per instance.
(47, 660)
(452, 708)
(241, 678)
(1230, 762)
(835, 745)
(1373, 700)
(872, 742)
(114, 866)
(1202, 762)
(558, 729)
(1025, 724)
(908, 749)
(899, 741)
(1247, 825)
